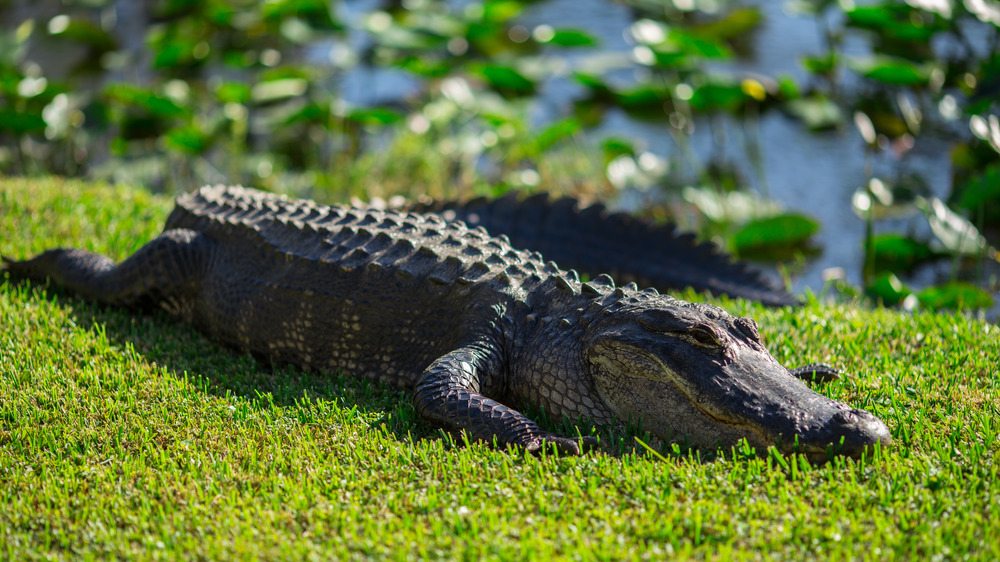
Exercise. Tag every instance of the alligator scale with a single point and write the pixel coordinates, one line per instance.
(475, 327)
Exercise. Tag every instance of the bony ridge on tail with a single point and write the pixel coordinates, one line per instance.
(476, 328)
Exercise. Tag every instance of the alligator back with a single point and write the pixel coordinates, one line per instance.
(593, 240)
(377, 293)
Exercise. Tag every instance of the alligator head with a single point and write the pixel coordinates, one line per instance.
(693, 372)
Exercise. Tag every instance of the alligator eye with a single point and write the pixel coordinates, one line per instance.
(705, 337)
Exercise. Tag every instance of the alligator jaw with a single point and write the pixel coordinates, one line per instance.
(678, 391)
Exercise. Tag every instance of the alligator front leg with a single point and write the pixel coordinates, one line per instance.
(447, 395)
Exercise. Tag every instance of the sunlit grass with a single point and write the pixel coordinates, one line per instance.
(128, 435)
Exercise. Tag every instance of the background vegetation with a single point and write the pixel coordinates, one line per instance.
(132, 436)
(171, 94)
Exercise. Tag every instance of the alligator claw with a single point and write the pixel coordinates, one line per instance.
(815, 372)
(570, 446)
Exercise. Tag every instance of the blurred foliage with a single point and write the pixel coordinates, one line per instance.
(246, 91)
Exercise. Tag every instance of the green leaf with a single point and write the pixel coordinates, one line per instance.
(554, 133)
(891, 70)
(616, 146)
(499, 11)
(645, 98)
(789, 88)
(596, 84)
(823, 64)
(895, 21)
(694, 44)
(780, 231)
(981, 189)
(374, 116)
(899, 253)
(955, 295)
(718, 97)
(506, 80)
(312, 113)
(187, 140)
(571, 38)
(159, 106)
(21, 122)
(888, 289)
(315, 13)
(425, 66)
(233, 92)
(81, 31)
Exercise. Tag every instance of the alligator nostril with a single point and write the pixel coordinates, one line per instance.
(844, 417)
(853, 417)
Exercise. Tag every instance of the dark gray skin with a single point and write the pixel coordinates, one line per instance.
(593, 240)
(473, 326)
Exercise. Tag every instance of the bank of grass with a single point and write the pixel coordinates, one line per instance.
(132, 436)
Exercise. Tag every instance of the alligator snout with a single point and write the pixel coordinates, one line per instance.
(848, 431)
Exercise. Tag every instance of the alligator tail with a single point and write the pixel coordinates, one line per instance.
(594, 240)
(164, 272)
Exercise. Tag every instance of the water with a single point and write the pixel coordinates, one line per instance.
(812, 173)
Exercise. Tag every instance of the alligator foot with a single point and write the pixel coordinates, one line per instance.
(573, 446)
(815, 372)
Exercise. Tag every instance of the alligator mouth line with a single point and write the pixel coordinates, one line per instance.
(740, 429)
(764, 438)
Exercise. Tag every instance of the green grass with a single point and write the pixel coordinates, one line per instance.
(132, 436)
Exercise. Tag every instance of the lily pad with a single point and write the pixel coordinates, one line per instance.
(571, 38)
(899, 253)
(892, 70)
(955, 295)
(790, 229)
(718, 96)
(888, 289)
(895, 21)
(506, 80)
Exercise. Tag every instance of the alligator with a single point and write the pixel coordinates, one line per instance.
(592, 240)
(474, 327)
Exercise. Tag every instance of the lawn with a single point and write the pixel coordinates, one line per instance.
(126, 435)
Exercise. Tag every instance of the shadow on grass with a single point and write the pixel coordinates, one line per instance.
(164, 341)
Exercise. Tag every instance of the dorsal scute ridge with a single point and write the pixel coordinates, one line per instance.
(422, 246)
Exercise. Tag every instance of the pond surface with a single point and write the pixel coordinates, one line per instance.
(812, 173)
(815, 174)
